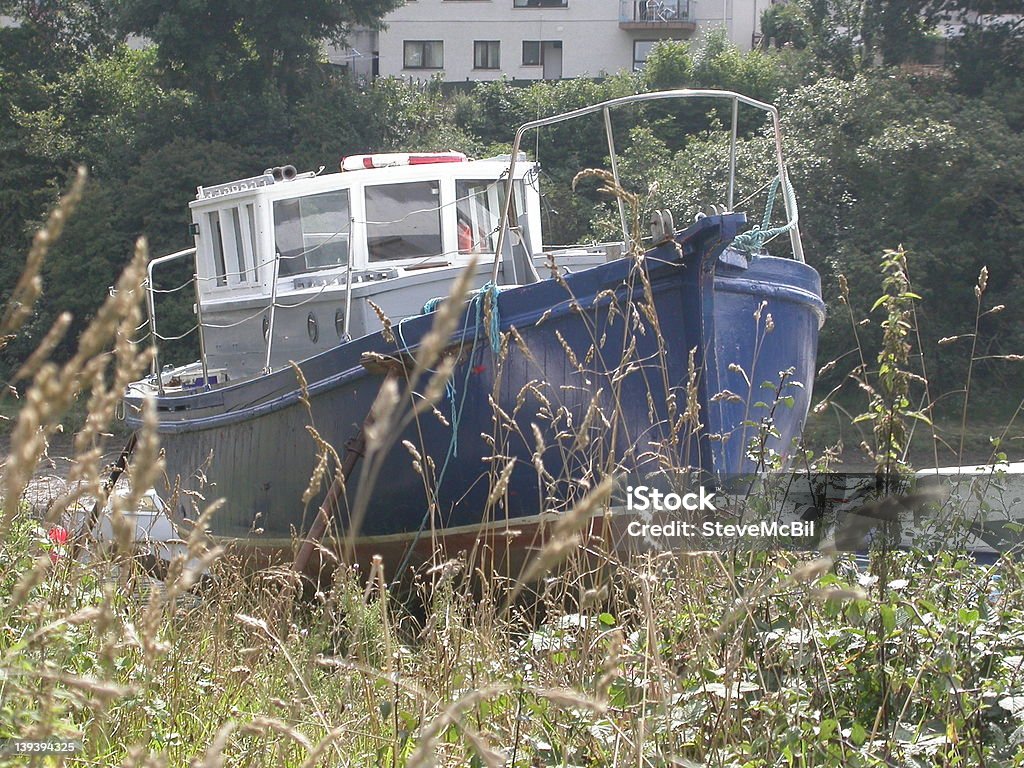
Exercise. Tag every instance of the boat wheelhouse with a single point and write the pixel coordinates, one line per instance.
(287, 264)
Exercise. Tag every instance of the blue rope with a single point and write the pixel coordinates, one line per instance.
(432, 305)
(493, 330)
(752, 241)
(456, 418)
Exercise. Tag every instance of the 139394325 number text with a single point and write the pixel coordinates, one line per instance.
(39, 747)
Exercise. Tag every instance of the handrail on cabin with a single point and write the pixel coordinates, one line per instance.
(151, 307)
(607, 106)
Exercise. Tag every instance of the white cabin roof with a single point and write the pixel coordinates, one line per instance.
(307, 184)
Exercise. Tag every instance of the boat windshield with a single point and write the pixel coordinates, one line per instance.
(403, 221)
(312, 232)
(479, 209)
(479, 212)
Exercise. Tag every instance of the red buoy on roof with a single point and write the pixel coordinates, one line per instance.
(392, 159)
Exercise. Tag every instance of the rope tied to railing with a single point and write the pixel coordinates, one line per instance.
(477, 303)
(491, 328)
(456, 405)
(753, 240)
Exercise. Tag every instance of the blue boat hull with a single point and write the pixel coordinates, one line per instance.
(617, 369)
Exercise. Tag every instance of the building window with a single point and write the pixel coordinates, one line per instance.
(532, 53)
(423, 54)
(641, 50)
(486, 54)
(535, 52)
(540, 3)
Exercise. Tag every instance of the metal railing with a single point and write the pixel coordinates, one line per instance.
(684, 93)
(151, 306)
(154, 335)
(654, 11)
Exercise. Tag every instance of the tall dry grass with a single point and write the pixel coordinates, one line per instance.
(732, 658)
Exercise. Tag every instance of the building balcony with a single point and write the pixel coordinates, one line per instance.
(656, 14)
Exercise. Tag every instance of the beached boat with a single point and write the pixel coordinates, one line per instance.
(638, 362)
(969, 508)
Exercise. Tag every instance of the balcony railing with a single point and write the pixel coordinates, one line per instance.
(655, 13)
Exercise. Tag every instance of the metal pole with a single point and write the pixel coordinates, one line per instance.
(507, 205)
(732, 152)
(151, 305)
(151, 308)
(348, 282)
(794, 234)
(273, 306)
(681, 93)
(615, 175)
(202, 334)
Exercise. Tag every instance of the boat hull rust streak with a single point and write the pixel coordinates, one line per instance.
(248, 442)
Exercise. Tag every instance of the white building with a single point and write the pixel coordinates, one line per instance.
(549, 39)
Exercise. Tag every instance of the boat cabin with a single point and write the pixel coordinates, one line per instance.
(287, 263)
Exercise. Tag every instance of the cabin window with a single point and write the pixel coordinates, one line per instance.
(403, 221)
(242, 273)
(312, 232)
(478, 209)
(217, 244)
(250, 216)
(233, 245)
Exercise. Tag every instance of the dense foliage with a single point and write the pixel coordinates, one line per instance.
(879, 155)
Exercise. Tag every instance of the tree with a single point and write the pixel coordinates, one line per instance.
(716, 63)
(852, 35)
(784, 24)
(989, 51)
(64, 30)
(892, 31)
(107, 101)
(213, 46)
